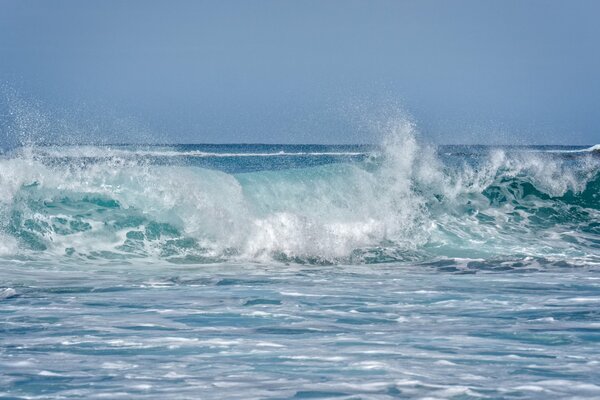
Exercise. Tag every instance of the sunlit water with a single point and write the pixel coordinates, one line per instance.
(236, 271)
(254, 331)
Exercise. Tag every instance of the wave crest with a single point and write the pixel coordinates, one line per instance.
(403, 203)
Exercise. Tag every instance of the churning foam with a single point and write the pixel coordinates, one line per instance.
(403, 202)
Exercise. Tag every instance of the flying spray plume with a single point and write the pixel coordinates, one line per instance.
(398, 201)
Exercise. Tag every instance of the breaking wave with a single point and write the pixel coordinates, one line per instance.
(401, 202)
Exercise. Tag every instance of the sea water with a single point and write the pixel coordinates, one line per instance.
(277, 271)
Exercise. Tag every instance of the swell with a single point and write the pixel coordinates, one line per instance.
(405, 204)
(125, 152)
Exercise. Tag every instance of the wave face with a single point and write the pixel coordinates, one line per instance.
(401, 201)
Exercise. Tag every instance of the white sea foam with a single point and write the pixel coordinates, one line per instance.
(104, 152)
(395, 204)
(7, 293)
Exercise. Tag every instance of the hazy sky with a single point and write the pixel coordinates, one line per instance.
(524, 71)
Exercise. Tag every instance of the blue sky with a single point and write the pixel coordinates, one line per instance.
(323, 71)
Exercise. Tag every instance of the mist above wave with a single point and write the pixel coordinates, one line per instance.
(403, 202)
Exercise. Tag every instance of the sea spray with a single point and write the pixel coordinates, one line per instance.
(403, 201)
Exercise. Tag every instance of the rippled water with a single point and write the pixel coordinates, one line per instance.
(256, 331)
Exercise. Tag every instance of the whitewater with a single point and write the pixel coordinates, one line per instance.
(397, 270)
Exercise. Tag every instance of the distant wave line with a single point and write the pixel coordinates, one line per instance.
(199, 154)
(592, 149)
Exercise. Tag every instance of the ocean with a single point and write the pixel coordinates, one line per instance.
(398, 270)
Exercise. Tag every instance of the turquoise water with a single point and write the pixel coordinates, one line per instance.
(263, 271)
